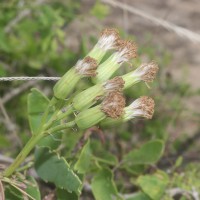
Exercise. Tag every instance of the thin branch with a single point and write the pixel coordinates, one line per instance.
(180, 31)
(16, 91)
(9, 125)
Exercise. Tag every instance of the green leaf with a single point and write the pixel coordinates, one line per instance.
(100, 10)
(37, 103)
(83, 163)
(4, 42)
(107, 158)
(149, 153)
(135, 169)
(52, 168)
(33, 189)
(103, 186)
(63, 195)
(12, 193)
(138, 196)
(154, 185)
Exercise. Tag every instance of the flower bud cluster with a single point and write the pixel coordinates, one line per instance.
(104, 101)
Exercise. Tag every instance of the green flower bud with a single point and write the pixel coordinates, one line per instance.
(146, 72)
(126, 51)
(83, 68)
(141, 107)
(112, 106)
(107, 41)
(90, 96)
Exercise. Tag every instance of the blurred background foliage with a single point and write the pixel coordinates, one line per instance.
(47, 38)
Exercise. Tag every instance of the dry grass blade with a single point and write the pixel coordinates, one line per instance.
(180, 31)
(2, 196)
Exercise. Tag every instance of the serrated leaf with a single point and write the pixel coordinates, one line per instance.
(103, 186)
(83, 163)
(52, 168)
(149, 153)
(64, 195)
(33, 189)
(37, 103)
(153, 185)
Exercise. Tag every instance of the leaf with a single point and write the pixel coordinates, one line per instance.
(52, 168)
(83, 163)
(33, 189)
(100, 10)
(107, 158)
(135, 169)
(138, 196)
(12, 193)
(149, 153)
(37, 103)
(154, 185)
(63, 195)
(103, 186)
(4, 42)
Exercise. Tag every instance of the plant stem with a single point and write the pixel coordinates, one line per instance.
(61, 127)
(22, 155)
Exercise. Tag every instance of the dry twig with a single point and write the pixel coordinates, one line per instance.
(180, 31)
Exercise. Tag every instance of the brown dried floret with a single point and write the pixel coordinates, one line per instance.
(115, 84)
(127, 49)
(87, 66)
(113, 105)
(148, 71)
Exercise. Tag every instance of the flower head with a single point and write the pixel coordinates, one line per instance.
(145, 72)
(142, 107)
(127, 50)
(115, 84)
(89, 97)
(113, 105)
(87, 66)
(107, 41)
(84, 67)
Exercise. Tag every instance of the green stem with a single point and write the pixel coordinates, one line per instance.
(22, 155)
(65, 114)
(58, 117)
(61, 127)
(45, 115)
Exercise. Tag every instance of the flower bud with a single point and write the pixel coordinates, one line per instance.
(112, 106)
(107, 41)
(126, 50)
(90, 96)
(146, 72)
(83, 68)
